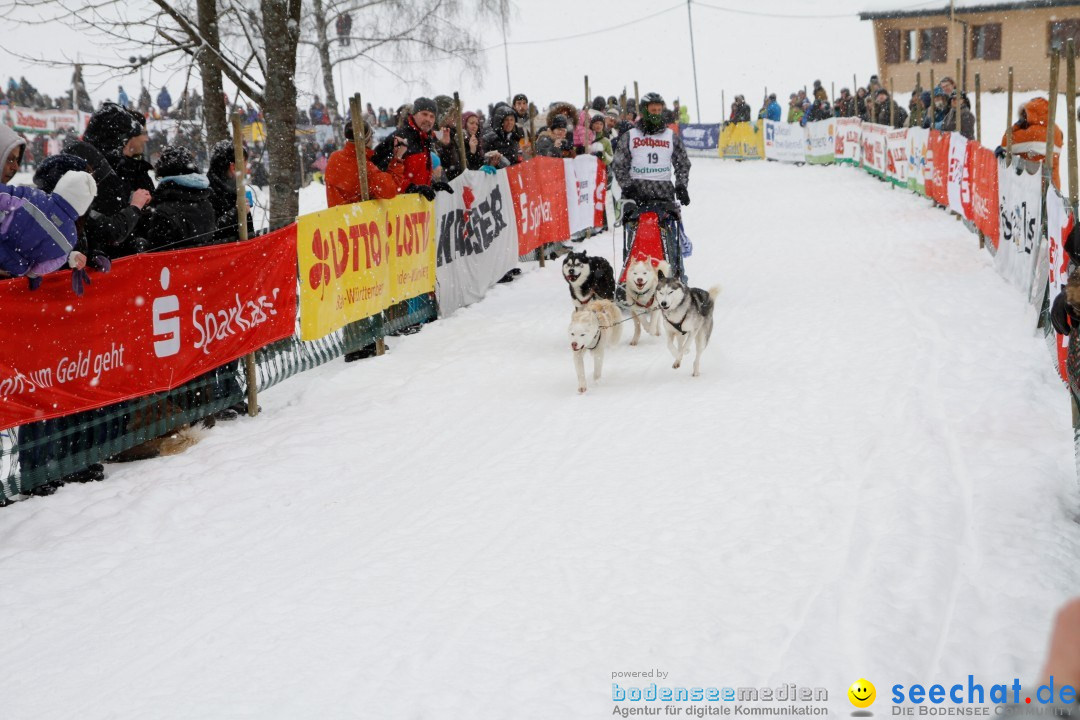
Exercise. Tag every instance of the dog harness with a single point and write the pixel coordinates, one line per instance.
(647, 305)
(595, 342)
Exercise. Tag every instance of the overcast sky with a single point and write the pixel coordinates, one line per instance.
(740, 48)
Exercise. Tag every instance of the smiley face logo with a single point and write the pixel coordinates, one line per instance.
(862, 693)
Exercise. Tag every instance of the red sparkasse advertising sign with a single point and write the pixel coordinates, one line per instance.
(538, 188)
(154, 322)
(984, 190)
(937, 167)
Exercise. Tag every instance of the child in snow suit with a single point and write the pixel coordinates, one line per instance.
(37, 229)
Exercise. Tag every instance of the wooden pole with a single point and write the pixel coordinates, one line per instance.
(239, 170)
(723, 105)
(930, 110)
(978, 109)
(1009, 122)
(958, 83)
(1048, 156)
(587, 98)
(855, 95)
(892, 106)
(461, 134)
(637, 99)
(1070, 113)
(361, 165)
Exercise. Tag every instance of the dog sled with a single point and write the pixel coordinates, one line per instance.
(655, 233)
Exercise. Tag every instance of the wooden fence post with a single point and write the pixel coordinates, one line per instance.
(1009, 122)
(359, 143)
(461, 134)
(240, 171)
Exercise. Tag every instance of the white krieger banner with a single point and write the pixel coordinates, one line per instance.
(848, 139)
(476, 238)
(821, 142)
(874, 151)
(896, 148)
(916, 160)
(785, 142)
(959, 182)
(586, 182)
(1018, 233)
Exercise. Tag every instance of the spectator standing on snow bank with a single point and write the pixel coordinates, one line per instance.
(343, 174)
(416, 132)
(12, 147)
(740, 111)
(601, 146)
(164, 101)
(222, 177)
(935, 117)
(501, 141)
(553, 142)
(771, 109)
(1029, 136)
(181, 215)
(960, 108)
(795, 111)
(846, 105)
(38, 234)
(474, 145)
(883, 110)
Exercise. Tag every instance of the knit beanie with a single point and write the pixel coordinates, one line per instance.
(78, 189)
(422, 103)
(52, 168)
(175, 160)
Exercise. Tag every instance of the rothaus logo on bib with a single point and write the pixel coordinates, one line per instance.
(650, 155)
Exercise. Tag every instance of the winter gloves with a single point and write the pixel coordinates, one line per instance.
(683, 194)
(428, 191)
(441, 186)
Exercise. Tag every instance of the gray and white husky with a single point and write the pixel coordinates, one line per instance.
(687, 315)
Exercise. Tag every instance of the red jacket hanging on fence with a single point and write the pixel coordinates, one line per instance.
(1029, 141)
(342, 177)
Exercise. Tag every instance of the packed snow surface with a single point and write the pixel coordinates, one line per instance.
(872, 477)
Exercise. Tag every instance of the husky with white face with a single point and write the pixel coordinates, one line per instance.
(687, 315)
(594, 328)
(642, 277)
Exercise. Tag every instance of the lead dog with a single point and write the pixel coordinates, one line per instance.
(687, 314)
(594, 328)
(590, 278)
(642, 277)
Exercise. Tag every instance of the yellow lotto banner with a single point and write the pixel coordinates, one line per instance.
(410, 222)
(742, 141)
(357, 260)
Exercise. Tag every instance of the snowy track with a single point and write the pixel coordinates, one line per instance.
(872, 478)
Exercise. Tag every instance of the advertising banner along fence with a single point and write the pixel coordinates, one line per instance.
(821, 142)
(1018, 239)
(477, 238)
(742, 141)
(700, 137)
(874, 151)
(586, 184)
(154, 322)
(1059, 223)
(937, 167)
(959, 191)
(896, 146)
(983, 170)
(916, 160)
(848, 140)
(785, 142)
(538, 192)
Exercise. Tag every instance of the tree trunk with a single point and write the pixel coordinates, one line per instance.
(327, 68)
(214, 110)
(281, 27)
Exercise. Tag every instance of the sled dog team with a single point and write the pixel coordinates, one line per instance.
(652, 297)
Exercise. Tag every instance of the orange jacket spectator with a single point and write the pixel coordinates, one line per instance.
(343, 178)
(1029, 135)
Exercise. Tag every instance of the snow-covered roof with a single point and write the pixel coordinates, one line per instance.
(941, 7)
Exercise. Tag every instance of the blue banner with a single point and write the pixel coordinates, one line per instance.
(700, 137)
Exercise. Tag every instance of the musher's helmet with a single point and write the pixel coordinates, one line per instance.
(652, 123)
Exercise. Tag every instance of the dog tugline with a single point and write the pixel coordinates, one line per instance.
(648, 157)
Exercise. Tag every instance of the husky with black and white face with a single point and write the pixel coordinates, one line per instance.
(687, 314)
(589, 278)
(642, 277)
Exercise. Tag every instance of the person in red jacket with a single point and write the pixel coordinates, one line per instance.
(416, 132)
(342, 175)
(1029, 136)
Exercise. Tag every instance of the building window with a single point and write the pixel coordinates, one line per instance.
(1062, 30)
(986, 42)
(934, 45)
(911, 46)
(892, 47)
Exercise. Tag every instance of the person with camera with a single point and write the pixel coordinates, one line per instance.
(342, 174)
(418, 137)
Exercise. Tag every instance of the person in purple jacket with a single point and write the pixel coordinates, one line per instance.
(38, 230)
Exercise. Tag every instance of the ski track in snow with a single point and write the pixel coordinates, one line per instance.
(873, 477)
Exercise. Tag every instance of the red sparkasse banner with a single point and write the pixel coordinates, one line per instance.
(152, 323)
(937, 164)
(984, 190)
(538, 187)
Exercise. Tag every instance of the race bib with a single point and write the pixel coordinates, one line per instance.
(650, 155)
